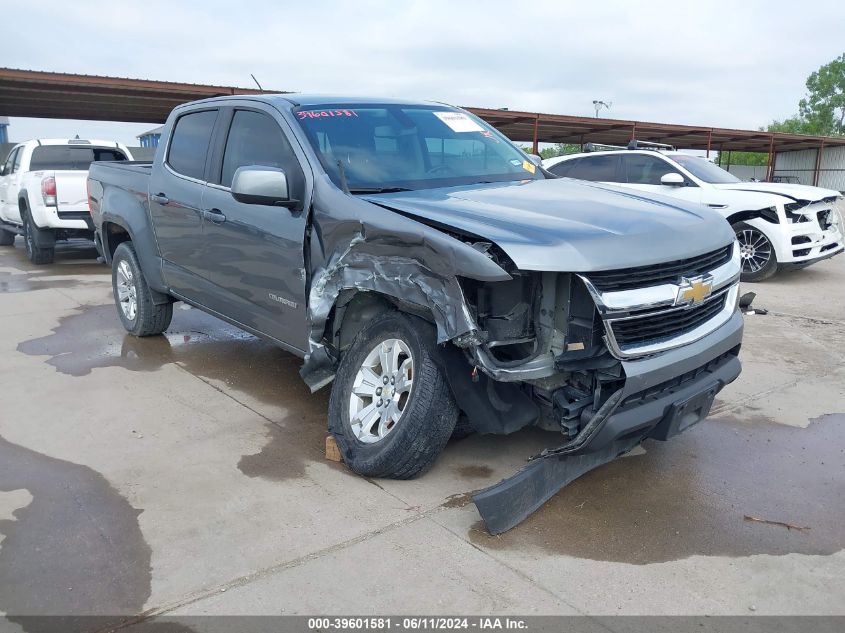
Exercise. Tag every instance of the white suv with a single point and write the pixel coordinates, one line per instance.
(777, 224)
(43, 192)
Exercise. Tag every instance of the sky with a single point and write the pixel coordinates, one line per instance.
(728, 64)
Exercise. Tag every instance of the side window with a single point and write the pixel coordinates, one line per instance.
(256, 139)
(596, 168)
(16, 165)
(189, 143)
(564, 167)
(642, 169)
(10, 161)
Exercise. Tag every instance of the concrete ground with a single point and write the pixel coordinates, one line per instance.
(185, 474)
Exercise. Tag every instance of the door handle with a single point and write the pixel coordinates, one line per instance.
(214, 215)
(160, 198)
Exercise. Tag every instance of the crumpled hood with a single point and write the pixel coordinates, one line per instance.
(569, 225)
(793, 192)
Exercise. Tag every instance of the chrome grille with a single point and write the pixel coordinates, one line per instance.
(648, 310)
(666, 273)
(667, 324)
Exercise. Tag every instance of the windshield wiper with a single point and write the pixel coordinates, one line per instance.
(356, 190)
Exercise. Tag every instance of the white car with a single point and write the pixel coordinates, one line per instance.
(777, 225)
(43, 192)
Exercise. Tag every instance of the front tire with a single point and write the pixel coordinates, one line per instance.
(391, 410)
(133, 298)
(7, 238)
(759, 261)
(38, 255)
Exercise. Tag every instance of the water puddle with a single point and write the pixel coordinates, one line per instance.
(689, 496)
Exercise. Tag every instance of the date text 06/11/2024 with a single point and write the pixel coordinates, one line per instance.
(415, 623)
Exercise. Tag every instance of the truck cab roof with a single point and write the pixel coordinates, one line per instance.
(295, 100)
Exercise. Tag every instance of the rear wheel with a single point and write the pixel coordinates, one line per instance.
(391, 410)
(135, 307)
(7, 238)
(759, 261)
(37, 254)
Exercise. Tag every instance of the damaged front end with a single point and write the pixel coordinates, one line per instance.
(606, 359)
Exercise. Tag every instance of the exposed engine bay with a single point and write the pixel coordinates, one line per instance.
(542, 359)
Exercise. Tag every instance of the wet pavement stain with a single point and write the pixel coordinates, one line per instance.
(458, 500)
(206, 347)
(73, 266)
(282, 457)
(689, 496)
(14, 282)
(75, 549)
(474, 471)
(93, 337)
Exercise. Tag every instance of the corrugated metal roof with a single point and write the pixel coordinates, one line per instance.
(69, 96)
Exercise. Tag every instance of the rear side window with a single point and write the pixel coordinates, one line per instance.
(256, 139)
(189, 143)
(641, 169)
(10, 166)
(564, 167)
(596, 168)
(72, 157)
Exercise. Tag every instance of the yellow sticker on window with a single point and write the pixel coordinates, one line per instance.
(528, 166)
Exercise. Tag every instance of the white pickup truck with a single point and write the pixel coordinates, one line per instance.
(43, 194)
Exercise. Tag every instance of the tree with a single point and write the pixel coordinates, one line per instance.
(824, 107)
(758, 159)
(792, 125)
(558, 149)
(822, 111)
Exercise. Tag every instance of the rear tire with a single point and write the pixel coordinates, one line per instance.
(391, 410)
(133, 298)
(7, 238)
(759, 261)
(36, 254)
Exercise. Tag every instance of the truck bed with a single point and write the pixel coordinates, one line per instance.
(132, 176)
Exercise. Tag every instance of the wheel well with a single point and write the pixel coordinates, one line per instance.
(113, 236)
(742, 216)
(356, 308)
(352, 312)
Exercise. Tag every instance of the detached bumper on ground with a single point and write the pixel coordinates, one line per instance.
(648, 406)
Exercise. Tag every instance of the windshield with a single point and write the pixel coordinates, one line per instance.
(704, 170)
(391, 147)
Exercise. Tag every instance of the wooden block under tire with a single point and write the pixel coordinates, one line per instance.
(332, 451)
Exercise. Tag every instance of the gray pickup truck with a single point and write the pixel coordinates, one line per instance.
(430, 270)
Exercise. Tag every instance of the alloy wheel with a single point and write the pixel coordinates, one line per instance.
(126, 290)
(381, 390)
(755, 249)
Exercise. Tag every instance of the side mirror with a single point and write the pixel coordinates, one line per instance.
(672, 179)
(255, 184)
(536, 159)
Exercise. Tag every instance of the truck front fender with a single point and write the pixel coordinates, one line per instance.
(362, 246)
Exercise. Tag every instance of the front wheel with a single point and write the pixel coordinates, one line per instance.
(135, 307)
(759, 261)
(391, 410)
(7, 238)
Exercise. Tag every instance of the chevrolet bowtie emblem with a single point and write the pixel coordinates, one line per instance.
(694, 290)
